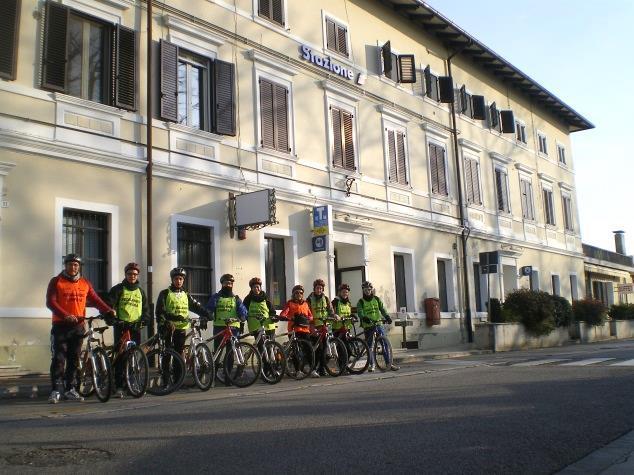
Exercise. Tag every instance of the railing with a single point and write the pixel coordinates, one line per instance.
(605, 255)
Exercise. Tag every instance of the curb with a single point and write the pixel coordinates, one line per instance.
(24, 391)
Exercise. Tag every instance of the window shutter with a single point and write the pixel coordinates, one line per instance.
(468, 164)
(337, 150)
(280, 113)
(442, 177)
(445, 89)
(524, 198)
(475, 174)
(502, 192)
(169, 81)
(9, 28)
(494, 118)
(264, 8)
(433, 163)
(223, 98)
(463, 99)
(508, 122)
(386, 52)
(349, 142)
(331, 35)
(391, 150)
(342, 45)
(125, 77)
(529, 200)
(407, 68)
(431, 84)
(55, 55)
(266, 114)
(278, 12)
(401, 162)
(478, 107)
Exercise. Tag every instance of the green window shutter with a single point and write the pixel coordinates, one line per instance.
(55, 40)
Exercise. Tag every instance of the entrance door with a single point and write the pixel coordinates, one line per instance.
(354, 277)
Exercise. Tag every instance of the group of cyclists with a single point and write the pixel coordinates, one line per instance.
(126, 308)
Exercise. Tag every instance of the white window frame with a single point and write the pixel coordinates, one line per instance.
(410, 273)
(567, 196)
(458, 99)
(451, 282)
(424, 89)
(395, 126)
(549, 188)
(561, 151)
(520, 126)
(524, 176)
(267, 22)
(348, 104)
(574, 287)
(442, 144)
(325, 15)
(542, 140)
(555, 283)
(470, 156)
(503, 168)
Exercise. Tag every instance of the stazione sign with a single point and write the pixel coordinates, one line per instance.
(326, 63)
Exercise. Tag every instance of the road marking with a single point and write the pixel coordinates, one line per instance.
(587, 362)
(541, 362)
(624, 363)
(454, 362)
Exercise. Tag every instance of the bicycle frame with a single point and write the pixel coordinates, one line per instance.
(228, 338)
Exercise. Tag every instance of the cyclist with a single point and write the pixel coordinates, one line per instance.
(224, 304)
(258, 305)
(172, 311)
(342, 307)
(130, 303)
(321, 308)
(370, 309)
(67, 296)
(298, 314)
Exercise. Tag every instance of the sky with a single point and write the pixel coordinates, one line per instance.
(581, 51)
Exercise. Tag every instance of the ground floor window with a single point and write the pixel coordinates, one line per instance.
(603, 291)
(442, 284)
(275, 270)
(477, 287)
(195, 251)
(555, 284)
(399, 280)
(574, 291)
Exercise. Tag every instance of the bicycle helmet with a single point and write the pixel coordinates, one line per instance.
(298, 287)
(319, 282)
(343, 287)
(178, 271)
(132, 266)
(255, 281)
(367, 285)
(226, 278)
(72, 258)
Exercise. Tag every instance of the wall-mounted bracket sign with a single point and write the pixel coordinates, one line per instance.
(326, 62)
(252, 210)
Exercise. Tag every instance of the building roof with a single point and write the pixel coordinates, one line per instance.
(455, 38)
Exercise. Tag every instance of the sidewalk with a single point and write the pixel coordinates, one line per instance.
(31, 386)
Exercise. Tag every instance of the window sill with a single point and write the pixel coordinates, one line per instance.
(336, 55)
(276, 153)
(285, 30)
(400, 186)
(521, 144)
(345, 172)
(86, 104)
(193, 131)
(543, 155)
(437, 104)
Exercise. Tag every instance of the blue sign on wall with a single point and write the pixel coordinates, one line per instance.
(320, 217)
(319, 243)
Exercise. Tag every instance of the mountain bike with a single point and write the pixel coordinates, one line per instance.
(237, 362)
(381, 348)
(94, 370)
(166, 366)
(272, 354)
(357, 348)
(133, 359)
(198, 358)
(334, 356)
(300, 356)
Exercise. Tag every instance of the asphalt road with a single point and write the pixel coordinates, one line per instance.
(522, 412)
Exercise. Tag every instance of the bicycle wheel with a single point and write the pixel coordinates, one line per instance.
(334, 356)
(242, 364)
(358, 353)
(219, 367)
(203, 368)
(137, 373)
(273, 362)
(101, 374)
(382, 352)
(167, 371)
(86, 387)
(300, 359)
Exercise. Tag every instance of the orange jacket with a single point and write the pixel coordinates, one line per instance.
(293, 308)
(65, 297)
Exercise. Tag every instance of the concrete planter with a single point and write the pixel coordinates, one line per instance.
(622, 328)
(513, 336)
(588, 333)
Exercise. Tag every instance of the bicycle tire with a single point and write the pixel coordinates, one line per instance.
(382, 352)
(165, 381)
(300, 359)
(273, 362)
(246, 373)
(335, 357)
(101, 374)
(219, 367)
(86, 387)
(358, 355)
(203, 368)
(137, 374)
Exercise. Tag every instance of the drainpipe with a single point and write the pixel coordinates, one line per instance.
(466, 230)
(148, 169)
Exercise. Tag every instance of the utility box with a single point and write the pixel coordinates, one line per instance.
(432, 311)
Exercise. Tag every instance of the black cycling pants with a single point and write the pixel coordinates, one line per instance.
(135, 335)
(66, 344)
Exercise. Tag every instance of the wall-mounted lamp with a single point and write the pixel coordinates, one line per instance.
(349, 182)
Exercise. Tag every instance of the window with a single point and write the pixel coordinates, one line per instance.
(494, 118)
(603, 291)
(534, 279)
(437, 170)
(556, 288)
(443, 295)
(549, 209)
(86, 233)
(399, 281)
(336, 37)
(343, 153)
(275, 273)
(272, 10)
(9, 28)
(520, 132)
(466, 107)
(196, 91)
(561, 154)
(399, 68)
(89, 58)
(526, 192)
(502, 190)
(397, 156)
(472, 181)
(542, 143)
(477, 287)
(431, 85)
(195, 246)
(574, 289)
(567, 205)
(274, 116)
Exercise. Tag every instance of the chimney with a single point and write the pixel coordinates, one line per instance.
(619, 242)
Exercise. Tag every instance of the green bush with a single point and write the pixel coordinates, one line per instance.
(622, 311)
(498, 314)
(563, 311)
(533, 308)
(591, 311)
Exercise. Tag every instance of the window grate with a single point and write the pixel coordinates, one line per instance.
(195, 246)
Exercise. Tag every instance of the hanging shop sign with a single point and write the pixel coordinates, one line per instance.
(326, 62)
(252, 210)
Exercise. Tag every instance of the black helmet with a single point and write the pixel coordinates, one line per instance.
(343, 287)
(298, 287)
(72, 258)
(319, 282)
(255, 281)
(367, 285)
(177, 271)
(132, 266)
(226, 278)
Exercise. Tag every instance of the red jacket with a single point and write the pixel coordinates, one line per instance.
(293, 308)
(65, 297)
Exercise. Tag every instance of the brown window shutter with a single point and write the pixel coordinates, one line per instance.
(407, 68)
(468, 172)
(169, 81)
(475, 169)
(278, 11)
(264, 8)
(401, 159)
(280, 114)
(55, 55)
(125, 73)
(386, 53)
(266, 114)
(524, 198)
(442, 177)
(342, 45)
(223, 98)
(433, 163)
(502, 191)
(348, 130)
(391, 150)
(337, 149)
(331, 35)
(9, 28)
